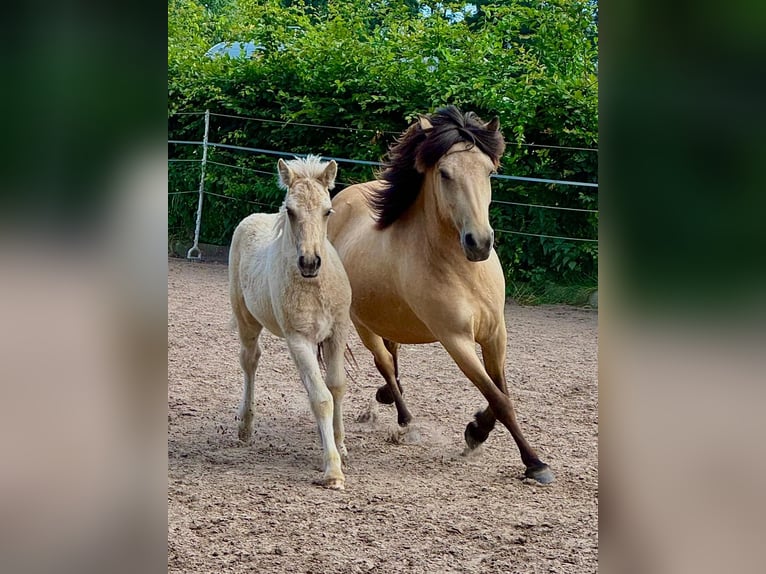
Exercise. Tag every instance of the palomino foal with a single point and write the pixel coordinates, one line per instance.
(285, 276)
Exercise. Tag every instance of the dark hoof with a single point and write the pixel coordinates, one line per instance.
(474, 435)
(541, 474)
(404, 420)
(384, 395)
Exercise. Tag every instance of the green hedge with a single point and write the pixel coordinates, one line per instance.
(374, 67)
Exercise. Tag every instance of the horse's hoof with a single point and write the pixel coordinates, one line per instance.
(474, 435)
(384, 395)
(331, 483)
(404, 420)
(542, 474)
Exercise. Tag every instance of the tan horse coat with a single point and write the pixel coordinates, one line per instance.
(432, 275)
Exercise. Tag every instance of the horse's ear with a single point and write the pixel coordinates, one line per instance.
(285, 174)
(424, 122)
(328, 176)
(493, 125)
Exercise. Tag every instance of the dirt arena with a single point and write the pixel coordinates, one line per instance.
(411, 505)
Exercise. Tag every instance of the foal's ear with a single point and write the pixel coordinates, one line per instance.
(493, 125)
(285, 174)
(329, 173)
(425, 123)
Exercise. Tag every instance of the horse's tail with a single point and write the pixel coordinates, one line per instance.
(348, 355)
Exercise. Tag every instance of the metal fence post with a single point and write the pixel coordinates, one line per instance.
(195, 248)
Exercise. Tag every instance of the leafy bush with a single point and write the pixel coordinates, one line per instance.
(374, 67)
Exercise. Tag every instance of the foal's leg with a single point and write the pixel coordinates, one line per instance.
(462, 350)
(304, 355)
(384, 394)
(249, 354)
(384, 361)
(334, 349)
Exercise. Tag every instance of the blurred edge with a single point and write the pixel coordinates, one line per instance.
(682, 286)
(83, 211)
(681, 312)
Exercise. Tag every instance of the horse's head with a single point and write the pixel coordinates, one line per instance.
(307, 207)
(460, 180)
(452, 155)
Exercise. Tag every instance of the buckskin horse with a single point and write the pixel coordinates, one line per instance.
(418, 250)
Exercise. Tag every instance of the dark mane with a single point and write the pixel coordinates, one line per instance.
(417, 150)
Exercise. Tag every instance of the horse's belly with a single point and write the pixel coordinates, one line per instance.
(391, 319)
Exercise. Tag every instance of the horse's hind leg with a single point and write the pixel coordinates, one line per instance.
(249, 354)
(384, 394)
(334, 349)
(322, 405)
(384, 361)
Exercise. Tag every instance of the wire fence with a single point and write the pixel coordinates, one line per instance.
(204, 161)
(289, 123)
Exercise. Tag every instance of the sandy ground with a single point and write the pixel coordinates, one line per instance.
(416, 506)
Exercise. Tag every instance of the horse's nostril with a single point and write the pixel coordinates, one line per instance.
(302, 261)
(318, 261)
(469, 240)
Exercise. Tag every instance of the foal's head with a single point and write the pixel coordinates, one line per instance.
(451, 155)
(307, 206)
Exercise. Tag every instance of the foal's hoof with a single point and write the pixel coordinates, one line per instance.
(474, 435)
(244, 433)
(384, 395)
(542, 474)
(331, 483)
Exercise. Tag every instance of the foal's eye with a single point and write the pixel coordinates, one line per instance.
(329, 212)
(444, 174)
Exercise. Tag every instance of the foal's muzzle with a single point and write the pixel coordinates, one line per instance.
(309, 266)
(477, 248)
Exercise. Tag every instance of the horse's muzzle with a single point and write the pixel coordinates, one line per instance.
(477, 250)
(309, 266)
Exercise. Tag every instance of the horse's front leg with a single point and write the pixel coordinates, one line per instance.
(493, 354)
(249, 354)
(462, 350)
(333, 350)
(304, 354)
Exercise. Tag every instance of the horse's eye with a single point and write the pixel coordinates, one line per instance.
(444, 174)
(329, 212)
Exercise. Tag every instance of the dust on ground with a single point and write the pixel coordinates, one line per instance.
(412, 503)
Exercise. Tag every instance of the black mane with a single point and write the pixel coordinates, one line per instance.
(417, 150)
